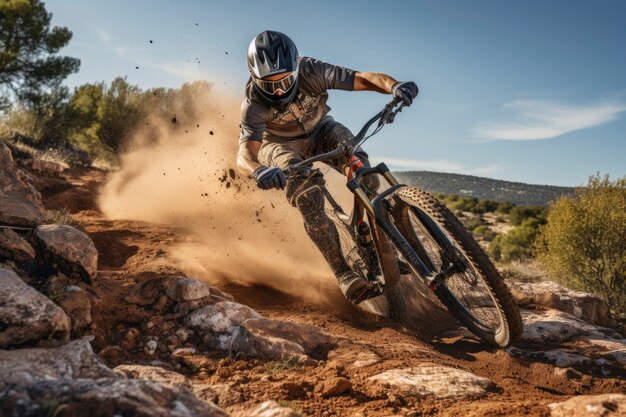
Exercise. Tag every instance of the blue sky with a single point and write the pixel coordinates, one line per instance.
(531, 91)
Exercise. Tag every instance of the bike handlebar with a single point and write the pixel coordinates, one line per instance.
(385, 116)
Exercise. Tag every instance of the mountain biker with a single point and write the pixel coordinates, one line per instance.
(284, 119)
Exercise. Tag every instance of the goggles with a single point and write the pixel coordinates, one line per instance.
(272, 87)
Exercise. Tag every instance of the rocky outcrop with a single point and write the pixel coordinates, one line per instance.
(566, 341)
(603, 405)
(20, 203)
(588, 307)
(26, 315)
(220, 317)
(75, 359)
(553, 327)
(103, 397)
(66, 249)
(430, 380)
(235, 328)
(14, 248)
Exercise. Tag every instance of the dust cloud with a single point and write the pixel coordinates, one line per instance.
(181, 172)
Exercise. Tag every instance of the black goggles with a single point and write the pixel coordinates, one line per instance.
(272, 87)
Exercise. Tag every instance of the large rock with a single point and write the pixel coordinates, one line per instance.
(603, 405)
(26, 316)
(585, 306)
(14, 248)
(430, 380)
(187, 289)
(76, 359)
(236, 328)
(72, 299)
(219, 317)
(103, 397)
(20, 203)
(276, 340)
(66, 249)
(553, 326)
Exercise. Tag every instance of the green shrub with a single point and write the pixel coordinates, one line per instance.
(583, 243)
(485, 232)
(516, 244)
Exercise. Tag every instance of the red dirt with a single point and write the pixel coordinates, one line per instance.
(131, 251)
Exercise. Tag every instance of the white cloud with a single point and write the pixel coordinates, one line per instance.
(104, 35)
(186, 71)
(536, 119)
(434, 165)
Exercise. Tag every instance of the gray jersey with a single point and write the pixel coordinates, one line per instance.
(306, 110)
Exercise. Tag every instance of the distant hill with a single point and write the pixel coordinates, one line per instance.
(517, 193)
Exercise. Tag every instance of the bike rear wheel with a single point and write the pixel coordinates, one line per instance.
(477, 296)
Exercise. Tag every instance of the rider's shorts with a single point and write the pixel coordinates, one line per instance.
(327, 135)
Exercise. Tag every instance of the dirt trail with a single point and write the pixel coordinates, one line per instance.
(136, 250)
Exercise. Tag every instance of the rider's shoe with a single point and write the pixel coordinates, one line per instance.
(353, 285)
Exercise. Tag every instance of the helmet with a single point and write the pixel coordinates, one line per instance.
(271, 53)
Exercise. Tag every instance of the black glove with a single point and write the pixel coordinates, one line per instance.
(267, 178)
(405, 91)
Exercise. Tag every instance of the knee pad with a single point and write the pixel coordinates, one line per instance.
(305, 187)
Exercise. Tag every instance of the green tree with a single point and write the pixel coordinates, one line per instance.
(583, 243)
(29, 67)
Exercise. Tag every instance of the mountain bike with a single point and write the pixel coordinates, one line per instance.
(403, 231)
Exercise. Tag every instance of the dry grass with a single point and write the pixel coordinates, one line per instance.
(523, 271)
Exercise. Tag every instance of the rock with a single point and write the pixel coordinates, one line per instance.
(334, 387)
(594, 364)
(76, 359)
(155, 373)
(219, 317)
(182, 334)
(553, 326)
(352, 356)
(271, 409)
(603, 405)
(187, 289)
(75, 302)
(13, 247)
(438, 381)
(49, 167)
(273, 340)
(151, 346)
(20, 203)
(588, 307)
(26, 315)
(66, 249)
(103, 397)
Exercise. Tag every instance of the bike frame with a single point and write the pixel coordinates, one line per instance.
(377, 208)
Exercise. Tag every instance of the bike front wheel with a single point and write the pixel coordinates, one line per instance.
(476, 295)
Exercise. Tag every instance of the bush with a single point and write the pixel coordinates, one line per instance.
(583, 244)
(516, 244)
(485, 232)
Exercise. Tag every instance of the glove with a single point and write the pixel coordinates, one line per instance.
(267, 178)
(405, 91)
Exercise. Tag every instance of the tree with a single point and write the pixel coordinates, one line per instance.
(583, 243)
(29, 67)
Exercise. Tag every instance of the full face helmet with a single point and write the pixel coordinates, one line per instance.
(270, 54)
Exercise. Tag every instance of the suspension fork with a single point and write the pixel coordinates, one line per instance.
(377, 209)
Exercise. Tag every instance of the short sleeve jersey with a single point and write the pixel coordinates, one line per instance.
(309, 106)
